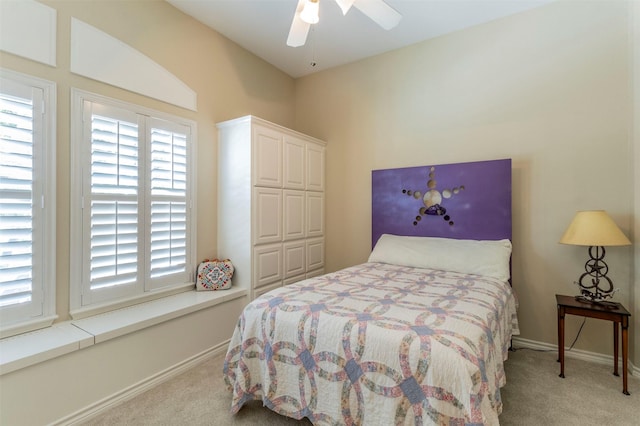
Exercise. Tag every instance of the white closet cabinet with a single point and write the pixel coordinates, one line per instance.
(270, 203)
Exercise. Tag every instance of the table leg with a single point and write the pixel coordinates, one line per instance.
(561, 339)
(625, 353)
(615, 348)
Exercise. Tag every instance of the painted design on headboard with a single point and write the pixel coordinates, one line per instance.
(432, 199)
(482, 211)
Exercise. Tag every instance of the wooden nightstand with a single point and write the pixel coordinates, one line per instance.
(607, 311)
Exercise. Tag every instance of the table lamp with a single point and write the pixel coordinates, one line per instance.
(595, 229)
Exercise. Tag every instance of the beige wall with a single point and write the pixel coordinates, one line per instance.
(549, 88)
(229, 81)
(71, 388)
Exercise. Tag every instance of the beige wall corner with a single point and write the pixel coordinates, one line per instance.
(549, 88)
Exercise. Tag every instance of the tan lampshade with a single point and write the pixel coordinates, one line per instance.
(594, 228)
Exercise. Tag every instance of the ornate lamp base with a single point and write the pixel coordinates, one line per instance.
(588, 296)
(596, 268)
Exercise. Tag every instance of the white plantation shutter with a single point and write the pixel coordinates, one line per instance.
(111, 204)
(168, 212)
(16, 204)
(136, 215)
(23, 193)
(114, 202)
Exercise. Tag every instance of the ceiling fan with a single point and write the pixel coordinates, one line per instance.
(307, 14)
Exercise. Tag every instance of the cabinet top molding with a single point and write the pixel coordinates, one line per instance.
(252, 119)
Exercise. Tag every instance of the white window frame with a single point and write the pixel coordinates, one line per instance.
(40, 312)
(83, 300)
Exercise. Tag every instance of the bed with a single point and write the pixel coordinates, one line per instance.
(417, 334)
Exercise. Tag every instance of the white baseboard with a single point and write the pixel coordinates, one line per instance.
(519, 342)
(134, 390)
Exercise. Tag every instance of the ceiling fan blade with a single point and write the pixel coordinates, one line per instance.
(299, 29)
(380, 12)
(345, 5)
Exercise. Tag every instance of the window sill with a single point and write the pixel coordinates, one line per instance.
(28, 326)
(27, 349)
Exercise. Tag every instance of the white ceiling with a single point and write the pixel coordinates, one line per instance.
(262, 26)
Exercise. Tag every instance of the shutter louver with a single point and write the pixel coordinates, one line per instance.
(168, 238)
(114, 242)
(168, 202)
(16, 200)
(114, 202)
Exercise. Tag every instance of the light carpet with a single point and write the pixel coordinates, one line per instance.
(534, 395)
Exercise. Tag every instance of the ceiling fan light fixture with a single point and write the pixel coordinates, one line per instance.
(307, 13)
(310, 12)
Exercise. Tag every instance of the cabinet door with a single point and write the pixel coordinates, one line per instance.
(315, 273)
(259, 292)
(293, 280)
(294, 258)
(293, 220)
(267, 264)
(315, 253)
(315, 167)
(294, 163)
(267, 215)
(267, 157)
(315, 214)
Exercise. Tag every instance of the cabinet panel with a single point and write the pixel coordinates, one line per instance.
(294, 258)
(267, 215)
(293, 220)
(267, 158)
(315, 214)
(259, 292)
(315, 253)
(294, 280)
(267, 264)
(315, 273)
(315, 167)
(294, 163)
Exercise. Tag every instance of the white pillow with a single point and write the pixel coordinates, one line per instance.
(479, 257)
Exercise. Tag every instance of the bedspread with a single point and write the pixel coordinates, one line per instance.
(376, 344)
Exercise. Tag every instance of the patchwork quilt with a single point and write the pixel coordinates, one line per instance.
(376, 344)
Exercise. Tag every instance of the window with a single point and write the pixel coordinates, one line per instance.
(132, 209)
(27, 202)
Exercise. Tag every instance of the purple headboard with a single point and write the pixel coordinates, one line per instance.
(461, 200)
